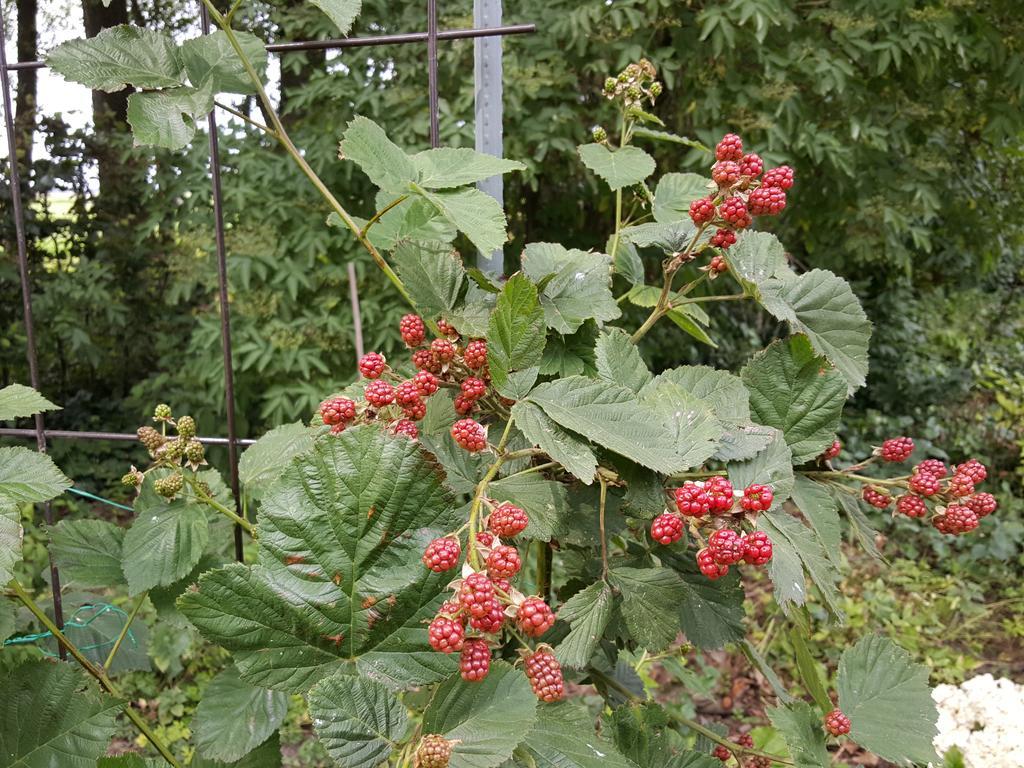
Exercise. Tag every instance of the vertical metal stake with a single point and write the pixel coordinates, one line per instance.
(357, 317)
(225, 313)
(487, 77)
(432, 97)
(26, 300)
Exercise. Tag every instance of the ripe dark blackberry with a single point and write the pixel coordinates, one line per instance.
(896, 449)
(725, 173)
(337, 410)
(837, 723)
(475, 660)
(832, 451)
(974, 469)
(372, 365)
(434, 751)
(503, 562)
(781, 177)
(545, 675)
(507, 520)
(766, 201)
(702, 211)
(957, 520)
(442, 554)
(446, 634)
(426, 383)
(751, 166)
(876, 497)
(726, 546)
(757, 548)
(469, 435)
(960, 485)
(708, 566)
(476, 593)
(981, 504)
(729, 148)
(412, 329)
(475, 356)
(443, 350)
(757, 497)
(924, 483)
(721, 495)
(911, 506)
(473, 388)
(667, 528)
(734, 211)
(535, 617)
(692, 500)
(407, 428)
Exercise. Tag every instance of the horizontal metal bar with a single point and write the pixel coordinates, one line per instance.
(72, 434)
(362, 42)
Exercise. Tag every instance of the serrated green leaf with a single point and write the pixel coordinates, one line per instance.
(773, 466)
(433, 275)
(515, 332)
(564, 738)
(650, 604)
(445, 167)
(88, 552)
(18, 401)
(801, 728)
(648, 133)
(342, 13)
(819, 507)
(29, 477)
(50, 715)
(675, 192)
(211, 59)
(338, 583)
(690, 420)
(619, 361)
(791, 390)
(544, 501)
(723, 391)
(627, 261)
(811, 672)
(472, 317)
(860, 526)
(389, 168)
(794, 541)
(117, 57)
(668, 237)
(572, 354)
(686, 318)
(561, 445)
(168, 118)
(588, 612)
(711, 612)
(474, 213)
(10, 540)
(886, 696)
(487, 718)
(264, 461)
(234, 717)
(266, 755)
(756, 258)
(578, 286)
(622, 168)
(358, 721)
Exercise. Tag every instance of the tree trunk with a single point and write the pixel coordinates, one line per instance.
(25, 99)
(109, 110)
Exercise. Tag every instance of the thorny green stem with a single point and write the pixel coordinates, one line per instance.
(531, 470)
(92, 669)
(600, 518)
(214, 504)
(124, 630)
(377, 216)
(664, 305)
(839, 474)
(481, 488)
(242, 116)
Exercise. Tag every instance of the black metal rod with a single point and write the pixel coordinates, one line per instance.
(225, 310)
(363, 42)
(432, 92)
(117, 437)
(26, 299)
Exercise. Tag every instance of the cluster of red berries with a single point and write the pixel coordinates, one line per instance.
(959, 506)
(714, 503)
(745, 741)
(485, 598)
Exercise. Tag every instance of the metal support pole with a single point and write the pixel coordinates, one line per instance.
(487, 96)
(432, 94)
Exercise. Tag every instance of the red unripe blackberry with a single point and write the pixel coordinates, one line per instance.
(473, 388)
(337, 410)
(982, 504)
(837, 723)
(832, 451)
(729, 148)
(464, 405)
(475, 356)
(476, 593)
(960, 485)
(726, 546)
(734, 211)
(426, 383)
(723, 238)
(766, 201)
(721, 752)
(433, 752)
(337, 429)
(407, 428)
(717, 266)
(502, 585)
(931, 467)
(757, 497)
(535, 617)
(781, 177)
(897, 449)
(484, 539)
(702, 211)
(692, 500)
(470, 435)
(372, 365)
(492, 619)
(442, 554)
(708, 566)
(475, 661)
(667, 528)
(924, 484)
(507, 520)
(424, 360)
(958, 519)
(725, 173)
(503, 562)
(751, 166)
(450, 608)
(446, 328)
(407, 393)
(720, 493)
(911, 506)
(745, 740)
(379, 393)
(876, 497)
(446, 634)
(757, 548)
(412, 329)
(974, 469)
(545, 675)
(443, 350)
(416, 411)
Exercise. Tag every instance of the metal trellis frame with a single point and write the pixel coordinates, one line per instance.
(41, 434)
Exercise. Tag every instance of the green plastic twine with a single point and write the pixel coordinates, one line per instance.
(78, 620)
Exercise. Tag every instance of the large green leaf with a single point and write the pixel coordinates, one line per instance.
(577, 287)
(795, 548)
(691, 421)
(885, 694)
(561, 445)
(117, 57)
(675, 192)
(445, 167)
(773, 466)
(18, 401)
(389, 168)
(50, 715)
(668, 237)
(723, 391)
(564, 738)
(515, 335)
(357, 720)
(88, 552)
(588, 612)
(266, 755)
(27, 477)
(650, 604)
(338, 582)
(619, 361)
(822, 512)
(168, 118)
(474, 213)
(801, 727)
(10, 540)
(211, 59)
(264, 461)
(341, 12)
(234, 717)
(571, 355)
(545, 501)
(791, 390)
(432, 275)
(711, 612)
(622, 168)
(756, 258)
(488, 718)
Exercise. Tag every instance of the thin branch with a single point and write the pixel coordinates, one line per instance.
(600, 518)
(124, 630)
(247, 119)
(214, 504)
(376, 217)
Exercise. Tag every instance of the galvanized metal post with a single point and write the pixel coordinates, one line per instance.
(488, 99)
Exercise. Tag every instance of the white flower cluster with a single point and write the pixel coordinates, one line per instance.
(982, 717)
